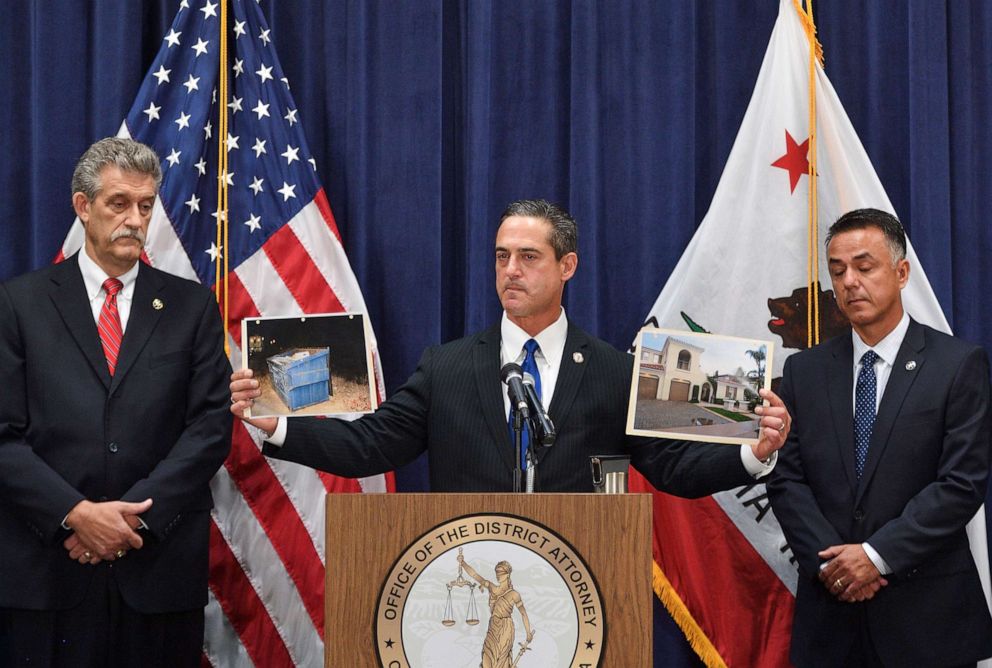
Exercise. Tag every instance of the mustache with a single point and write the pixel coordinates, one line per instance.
(128, 233)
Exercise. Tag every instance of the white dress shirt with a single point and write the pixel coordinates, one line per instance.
(886, 349)
(93, 278)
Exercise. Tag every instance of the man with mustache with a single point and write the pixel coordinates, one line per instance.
(455, 407)
(886, 462)
(113, 420)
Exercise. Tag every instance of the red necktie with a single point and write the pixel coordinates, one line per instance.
(109, 323)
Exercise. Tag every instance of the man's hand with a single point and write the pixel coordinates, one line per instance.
(102, 529)
(80, 552)
(775, 424)
(849, 574)
(244, 391)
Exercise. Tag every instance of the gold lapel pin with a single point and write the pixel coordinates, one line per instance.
(578, 358)
(158, 304)
(910, 365)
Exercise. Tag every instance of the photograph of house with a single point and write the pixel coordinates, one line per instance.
(697, 385)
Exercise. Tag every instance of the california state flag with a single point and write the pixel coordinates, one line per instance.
(723, 568)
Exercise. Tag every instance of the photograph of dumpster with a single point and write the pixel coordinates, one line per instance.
(310, 365)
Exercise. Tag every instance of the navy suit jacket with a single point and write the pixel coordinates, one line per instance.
(924, 479)
(159, 428)
(452, 406)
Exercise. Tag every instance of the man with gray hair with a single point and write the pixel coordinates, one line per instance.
(113, 420)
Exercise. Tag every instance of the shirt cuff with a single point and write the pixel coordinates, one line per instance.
(876, 559)
(278, 437)
(753, 465)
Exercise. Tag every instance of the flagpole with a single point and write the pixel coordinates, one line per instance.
(221, 270)
(812, 254)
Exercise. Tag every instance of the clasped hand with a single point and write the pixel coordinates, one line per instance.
(849, 575)
(104, 531)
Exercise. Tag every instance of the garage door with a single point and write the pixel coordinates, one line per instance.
(679, 391)
(647, 387)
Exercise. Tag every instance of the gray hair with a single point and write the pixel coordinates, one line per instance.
(564, 237)
(127, 155)
(859, 219)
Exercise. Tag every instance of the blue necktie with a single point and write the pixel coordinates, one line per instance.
(864, 409)
(529, 365)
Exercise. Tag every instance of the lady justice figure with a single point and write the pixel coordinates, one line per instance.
(497, 648)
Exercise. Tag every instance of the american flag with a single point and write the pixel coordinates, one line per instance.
(286, 258)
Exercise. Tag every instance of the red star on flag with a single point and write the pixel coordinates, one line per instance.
(794, 160)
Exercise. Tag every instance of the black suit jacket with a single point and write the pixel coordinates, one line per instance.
(159, 428)
(924, 479)
(452, 406)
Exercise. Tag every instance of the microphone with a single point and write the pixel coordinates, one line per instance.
(512, 375)
(545, 427)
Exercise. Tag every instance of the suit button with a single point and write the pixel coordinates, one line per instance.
(859, 515)
(112, 447)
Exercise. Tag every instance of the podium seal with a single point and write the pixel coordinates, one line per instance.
(490, 590)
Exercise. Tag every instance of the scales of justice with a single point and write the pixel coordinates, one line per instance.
(472, 614)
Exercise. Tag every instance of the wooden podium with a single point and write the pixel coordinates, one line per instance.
(369, 534)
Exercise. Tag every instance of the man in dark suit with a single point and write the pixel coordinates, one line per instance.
(113, 419)
(886, 462)
(455, 407)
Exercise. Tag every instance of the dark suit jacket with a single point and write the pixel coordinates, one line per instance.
(924, 479)
(452, 406)
(160, 428)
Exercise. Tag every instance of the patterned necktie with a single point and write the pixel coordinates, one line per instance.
(529, 365)
(109, 323)
(864, 409)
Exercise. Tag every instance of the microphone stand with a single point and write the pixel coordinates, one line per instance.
(531, 459)
(518, 432)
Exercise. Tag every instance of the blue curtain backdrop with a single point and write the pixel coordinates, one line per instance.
(426, 117)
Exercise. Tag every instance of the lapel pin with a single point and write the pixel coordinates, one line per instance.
(578, 358)
(910, 365)
(158, 304)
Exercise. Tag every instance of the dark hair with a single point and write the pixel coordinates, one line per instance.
(860, 219)
(564, 237)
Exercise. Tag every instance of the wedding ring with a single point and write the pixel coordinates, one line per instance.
(87, 556)
(120, 553)
(781, 428)
(839, 583)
